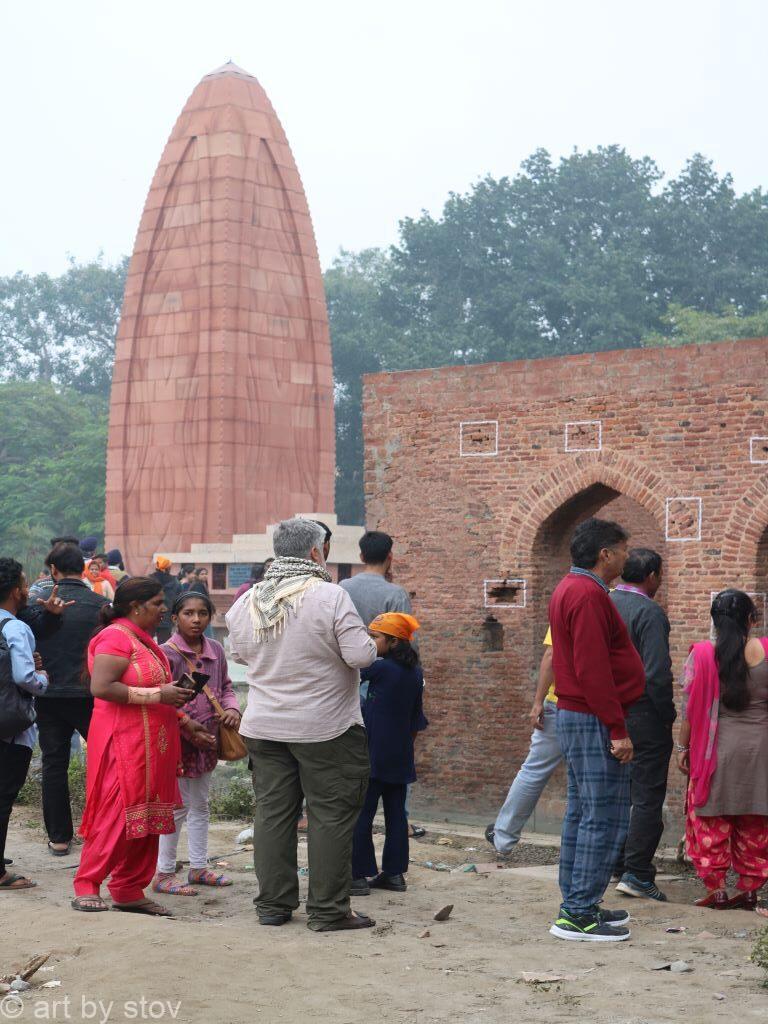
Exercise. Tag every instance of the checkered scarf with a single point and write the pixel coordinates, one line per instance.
(281, 591)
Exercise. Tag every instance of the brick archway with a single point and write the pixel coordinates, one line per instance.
(616, 471)
(746, 526)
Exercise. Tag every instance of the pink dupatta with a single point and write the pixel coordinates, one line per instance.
(702, 685)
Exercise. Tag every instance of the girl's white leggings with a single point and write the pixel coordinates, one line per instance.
(194, 795)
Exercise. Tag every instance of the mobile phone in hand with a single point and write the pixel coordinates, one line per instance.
(187, 682)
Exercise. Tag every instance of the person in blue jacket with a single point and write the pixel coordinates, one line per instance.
(393, 715)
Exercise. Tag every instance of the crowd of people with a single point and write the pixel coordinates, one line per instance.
(137, 674)
(604, 705)
(334, 704)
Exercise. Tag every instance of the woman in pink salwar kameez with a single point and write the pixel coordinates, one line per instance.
(134, 752)
(723, 749)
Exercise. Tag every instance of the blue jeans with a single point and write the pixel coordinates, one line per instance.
(597, 815)
(543, 758)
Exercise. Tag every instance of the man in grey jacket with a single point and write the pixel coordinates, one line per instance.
(649, 721)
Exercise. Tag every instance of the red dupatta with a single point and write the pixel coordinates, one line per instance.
(702, 685)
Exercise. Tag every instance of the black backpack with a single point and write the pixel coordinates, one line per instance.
(17, 711)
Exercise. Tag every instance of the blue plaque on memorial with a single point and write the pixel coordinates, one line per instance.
(238, 573)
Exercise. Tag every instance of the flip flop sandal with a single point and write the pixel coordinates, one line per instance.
(352, 922)
(148, 907)
(59, 853)
(172, 886)
(416, 831)
(206, 877)
(8, 884)
(97, 904)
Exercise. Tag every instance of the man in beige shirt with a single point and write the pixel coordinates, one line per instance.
(303, 644)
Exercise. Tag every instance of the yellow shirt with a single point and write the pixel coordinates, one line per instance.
(551, 695)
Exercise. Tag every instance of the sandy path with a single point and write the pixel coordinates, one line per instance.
(215, 961)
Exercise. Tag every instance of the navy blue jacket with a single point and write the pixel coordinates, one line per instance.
(392, 712)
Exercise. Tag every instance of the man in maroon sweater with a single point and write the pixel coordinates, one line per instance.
(598, 675)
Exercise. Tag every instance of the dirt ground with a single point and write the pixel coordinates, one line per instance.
(212, 963)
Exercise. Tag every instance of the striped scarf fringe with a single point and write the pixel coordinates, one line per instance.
(281, 592)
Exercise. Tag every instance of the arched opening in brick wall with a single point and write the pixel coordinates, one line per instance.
(550, 559)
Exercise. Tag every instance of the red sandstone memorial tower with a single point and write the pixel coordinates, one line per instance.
(221, 416)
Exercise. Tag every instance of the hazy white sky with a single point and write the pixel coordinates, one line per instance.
(388, 106)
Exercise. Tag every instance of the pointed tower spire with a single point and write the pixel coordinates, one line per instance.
(221, 418)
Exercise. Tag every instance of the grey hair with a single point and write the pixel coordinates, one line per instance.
(295, 538)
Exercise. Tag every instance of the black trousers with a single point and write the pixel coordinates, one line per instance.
(652, 739)
(58, 718)
(394, 859)
(14, 765)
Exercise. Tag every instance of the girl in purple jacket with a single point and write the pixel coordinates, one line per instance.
(188, 651)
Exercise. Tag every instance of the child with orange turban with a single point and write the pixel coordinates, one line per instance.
(396, 624)
(392, 712)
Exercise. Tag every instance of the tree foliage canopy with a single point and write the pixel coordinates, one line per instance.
(61, 330)
(52, 466)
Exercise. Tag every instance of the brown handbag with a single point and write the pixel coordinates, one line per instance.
(230, 745)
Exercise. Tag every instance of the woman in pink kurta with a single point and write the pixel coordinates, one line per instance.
(134, 752)
(724, 751)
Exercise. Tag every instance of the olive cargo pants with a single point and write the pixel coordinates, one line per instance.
(333, 776)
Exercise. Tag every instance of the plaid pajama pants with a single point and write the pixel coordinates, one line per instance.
(597, 815)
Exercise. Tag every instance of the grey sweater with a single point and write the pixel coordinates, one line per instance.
(648, 628)
(372, 595)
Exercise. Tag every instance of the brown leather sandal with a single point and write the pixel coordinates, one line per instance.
(145, 906)
(90, 904)
(15, 883)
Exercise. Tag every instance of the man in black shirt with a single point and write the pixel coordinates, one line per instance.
(649, 721)
(66, 706)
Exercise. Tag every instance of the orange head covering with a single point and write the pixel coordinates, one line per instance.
(162, 563)
(395, 624)
(92, 571)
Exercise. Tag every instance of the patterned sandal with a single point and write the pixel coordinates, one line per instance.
(171, 886)
(202, 876)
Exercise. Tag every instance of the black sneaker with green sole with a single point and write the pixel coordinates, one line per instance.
(587, 928)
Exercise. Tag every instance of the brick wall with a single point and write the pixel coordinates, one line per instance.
(478, 475)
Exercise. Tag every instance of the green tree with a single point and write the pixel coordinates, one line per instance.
(61, 330)
(52, 466)
(555, 260)
(682, 325)
(362, 338)
(710, 245)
